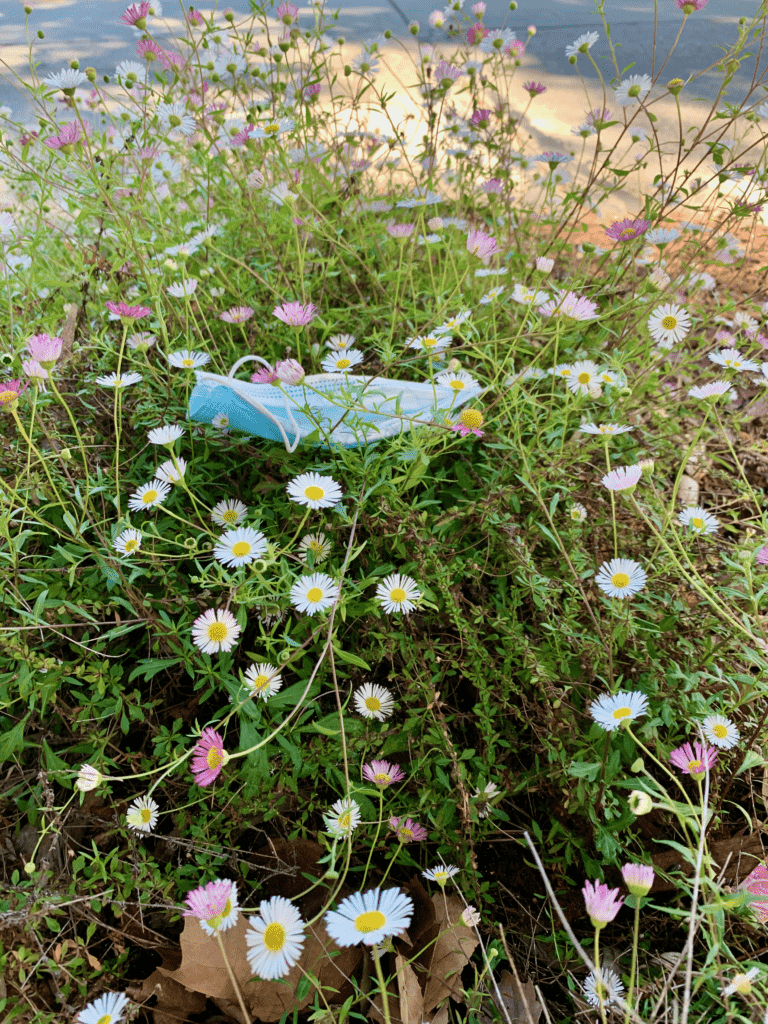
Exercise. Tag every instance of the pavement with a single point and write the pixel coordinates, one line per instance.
(91, 31)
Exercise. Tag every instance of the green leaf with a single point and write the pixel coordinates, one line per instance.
(585, 769)
(150, 667)
(351, 659)
(12, 741)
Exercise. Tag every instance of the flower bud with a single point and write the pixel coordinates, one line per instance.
(639, 802)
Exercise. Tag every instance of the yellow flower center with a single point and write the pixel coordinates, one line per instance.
(669, 323)
(106, 1019)
(215, 921)
(697, 523)
(620, 580)
(230, 516)
(313, 492)
(260, 683)
(584, 377)
(274, 937)
(457, 385)
(217, 631)
(405, 835)
(720, 731)
(370, 921)
(272, 127)
(373, 703)
(6, 397)
(131, 545)
(213, 758)
(397, 594)
(345, 821)
(381, 777)
(429, 342)
(315, 547)
(148, 497)
(315, 595)
(742, 984)
(242, 547)
(187, 362)
(695, 766)
(146, 815)
(342, 364)
(620, 713)
(627, 233)
(472, 418)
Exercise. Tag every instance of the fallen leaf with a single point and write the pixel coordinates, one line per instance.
(688, 491)
(203, 970)
(519, 1000)
(411, 999)
(92, 961)
(174, 1002)
(451, 951)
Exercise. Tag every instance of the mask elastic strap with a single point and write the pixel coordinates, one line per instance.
(238, 388)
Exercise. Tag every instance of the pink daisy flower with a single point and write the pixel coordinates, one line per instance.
(476, 33)
(694, 760)
(136, 14)
(602, 903)
(10, 391)
(569, 304)
(534, 88)
(638, 878)
(208, 757)
(382, 773)
(689, 6)
(622, 478)
(290, 371)
(762, 556)
(294, 314)
(408, 831)
(149, 50)
(265, 376)
(311, 90)
(214, 905)
(44, 349)
(627, 229)
(400, 230)
(236, 314)
(482, 245)
(121, 309)
(492, 187)
(480, 118)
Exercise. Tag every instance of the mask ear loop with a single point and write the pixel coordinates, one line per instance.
(246, 397)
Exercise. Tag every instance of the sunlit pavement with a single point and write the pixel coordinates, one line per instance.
(92, 32)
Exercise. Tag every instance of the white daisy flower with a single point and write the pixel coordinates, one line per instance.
(714, 390)
(270, 129)
(221, 422)
(457, 381)
(741, 983)
(151, 494)
(733, 359)
(578, 513)
(720, 732)
(369, 917)
(185, 359)
(470, 917)
(563, 370)
(603, 428)
(275, 938)
(698, 520)
(215, 630)
(240, 547)
(175, 117)
(621, 577)
(171, 471)
(114, 380)
(107, 1009)
(745, 322)
(343, 819)
(373, 701)
(604, 991)
(229, 512)
(494, 293)
(314, 491)
(180, 289)
(582, 44)
(623, 478)
(142, 814)
(397, 593)
(167, 434)
(315, 593)
(529, 296)
(668, 324)
(128, 542)
(341, 342)
(633, 90)
(609, 711)
(441, 873)
(421, 197)
(661, 236)
(583, 377)
(88, 778)
(316, 543)
(342, 362)
(263, 680)
(67, 78)
(454, 322)
(428, 342)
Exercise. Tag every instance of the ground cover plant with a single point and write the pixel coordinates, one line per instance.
(384, 627)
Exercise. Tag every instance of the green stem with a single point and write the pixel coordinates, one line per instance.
(633, 968)
(233, 980)
(382, 984)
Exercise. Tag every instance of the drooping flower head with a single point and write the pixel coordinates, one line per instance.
(570, 305)
(214, 905)
(126, 312)
(623, 478)
(603, 904)
(605, 990)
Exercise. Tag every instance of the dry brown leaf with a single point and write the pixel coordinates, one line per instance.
(452, 951)
(174, 1002)
(441, 1017)
(411, 999)
(203, 970)
(519, 1000)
